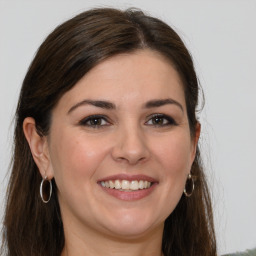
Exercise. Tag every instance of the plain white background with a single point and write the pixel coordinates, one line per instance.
(221, 36)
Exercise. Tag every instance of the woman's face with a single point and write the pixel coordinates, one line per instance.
(119, 146)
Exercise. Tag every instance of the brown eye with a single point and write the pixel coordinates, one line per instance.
(94, 121)
(158, 120)
(161, 120)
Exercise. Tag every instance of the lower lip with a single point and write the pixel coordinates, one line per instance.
(130, 196)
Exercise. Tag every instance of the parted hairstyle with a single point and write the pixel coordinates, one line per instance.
(32, 228)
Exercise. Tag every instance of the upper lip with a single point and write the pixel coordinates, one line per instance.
(128, 177)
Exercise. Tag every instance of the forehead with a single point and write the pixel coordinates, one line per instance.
(133, 77)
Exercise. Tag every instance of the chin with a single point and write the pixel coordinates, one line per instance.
(130, 227)
(130, 233)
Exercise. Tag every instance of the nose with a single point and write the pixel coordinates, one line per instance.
(130, 146)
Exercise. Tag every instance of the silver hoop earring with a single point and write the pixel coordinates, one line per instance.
(189, 187)
(46, 190)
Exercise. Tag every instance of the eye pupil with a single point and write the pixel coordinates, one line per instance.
(95, 121)
(157, 120)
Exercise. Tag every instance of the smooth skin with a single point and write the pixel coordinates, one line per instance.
(125, 116)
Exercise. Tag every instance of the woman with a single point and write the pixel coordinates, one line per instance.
(106, 130)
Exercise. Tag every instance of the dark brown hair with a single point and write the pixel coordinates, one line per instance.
(32, 228)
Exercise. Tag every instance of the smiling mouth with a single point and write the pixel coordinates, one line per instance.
(125, 185)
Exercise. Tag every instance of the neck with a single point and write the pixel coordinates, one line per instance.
(93, 243)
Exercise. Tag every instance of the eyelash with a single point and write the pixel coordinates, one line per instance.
(165, 119)
(85, 121)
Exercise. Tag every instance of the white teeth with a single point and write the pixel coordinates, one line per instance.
(111, 184)
(134, 185)
(117, 184)
(141, 184)
(106, 184)
(126, 185)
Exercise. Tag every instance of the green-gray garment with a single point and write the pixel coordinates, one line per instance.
(247, 253)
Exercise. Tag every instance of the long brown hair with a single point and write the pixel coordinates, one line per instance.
(32, 228)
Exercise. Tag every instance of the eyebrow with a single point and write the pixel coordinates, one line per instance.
(108, 105)
(96, 103)
(162, 102)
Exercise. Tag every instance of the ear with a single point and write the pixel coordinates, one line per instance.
(39, 147)
(195, 141)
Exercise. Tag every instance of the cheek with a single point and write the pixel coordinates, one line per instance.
(175, 154)
(74, 159)
(174, 157)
